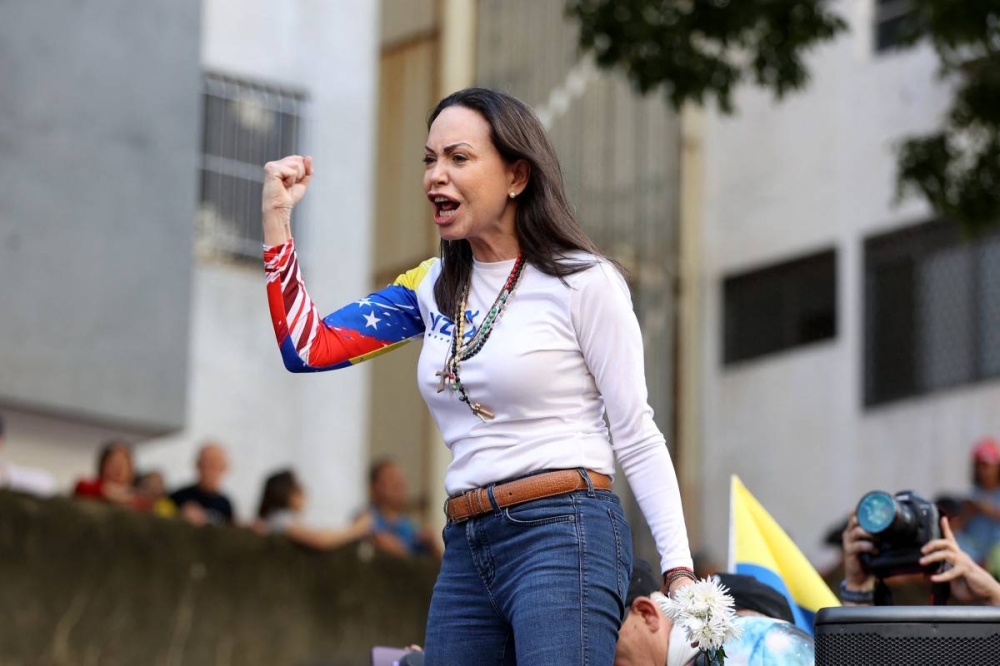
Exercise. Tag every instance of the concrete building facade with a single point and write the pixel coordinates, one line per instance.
(782, 181)
(324, 57)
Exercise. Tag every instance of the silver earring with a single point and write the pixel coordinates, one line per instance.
(512, 195)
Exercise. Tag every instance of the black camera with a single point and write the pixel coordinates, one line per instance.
(900, 525)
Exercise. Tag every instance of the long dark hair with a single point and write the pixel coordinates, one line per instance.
(546, 228)
(278, 491)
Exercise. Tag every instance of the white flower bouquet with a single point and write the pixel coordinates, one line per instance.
(705, 611)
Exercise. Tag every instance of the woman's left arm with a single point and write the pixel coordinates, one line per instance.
(311, 343)
(609, 336)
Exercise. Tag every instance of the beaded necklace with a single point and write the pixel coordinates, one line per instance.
(461, 350)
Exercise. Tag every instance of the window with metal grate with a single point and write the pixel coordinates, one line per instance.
(780, 307)
(932, 311)
(244, 125)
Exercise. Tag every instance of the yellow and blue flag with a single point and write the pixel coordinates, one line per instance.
(758, 547)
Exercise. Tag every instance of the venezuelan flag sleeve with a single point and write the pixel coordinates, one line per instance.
(758, 547)
(352, 334)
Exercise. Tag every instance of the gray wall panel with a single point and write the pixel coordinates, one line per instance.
(99, 131)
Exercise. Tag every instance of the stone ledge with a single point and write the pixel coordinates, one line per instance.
(83, 583)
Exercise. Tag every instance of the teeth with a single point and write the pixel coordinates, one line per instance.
(446, 213)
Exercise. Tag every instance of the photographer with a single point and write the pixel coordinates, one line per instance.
(969, 583)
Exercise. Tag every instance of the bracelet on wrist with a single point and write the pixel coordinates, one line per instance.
(856, 596)
(673, 575)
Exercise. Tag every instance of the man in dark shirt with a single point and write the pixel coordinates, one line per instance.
(203, 503)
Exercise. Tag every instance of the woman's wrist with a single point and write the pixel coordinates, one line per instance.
(277, 224)
(676, 578)
(857, 596)
(863, 583)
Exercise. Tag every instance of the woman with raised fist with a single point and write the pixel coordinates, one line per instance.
(529, 340)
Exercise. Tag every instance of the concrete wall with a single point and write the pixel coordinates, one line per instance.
(89, 584)
(99, 150)
(784, 180)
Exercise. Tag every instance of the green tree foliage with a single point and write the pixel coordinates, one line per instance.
(957, 169)
(699, 49)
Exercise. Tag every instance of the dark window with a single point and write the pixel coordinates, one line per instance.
(932, 311)
(781, 306)
(245, 125)
(892, 23)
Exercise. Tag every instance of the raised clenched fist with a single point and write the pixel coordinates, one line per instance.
(285, 183)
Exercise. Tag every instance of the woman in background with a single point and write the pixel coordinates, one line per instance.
(280, 512)
(115, 479)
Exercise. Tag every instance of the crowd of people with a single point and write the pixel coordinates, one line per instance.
(385, 521)
(973, 520)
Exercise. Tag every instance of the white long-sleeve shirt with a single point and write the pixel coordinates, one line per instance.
(561, 357)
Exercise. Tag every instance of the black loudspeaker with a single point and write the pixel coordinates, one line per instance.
(908, 636)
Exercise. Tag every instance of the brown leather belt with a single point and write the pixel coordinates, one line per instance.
(537, 486)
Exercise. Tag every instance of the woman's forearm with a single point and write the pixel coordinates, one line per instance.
(277, 226)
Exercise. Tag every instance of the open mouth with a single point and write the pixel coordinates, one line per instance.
(444, 207)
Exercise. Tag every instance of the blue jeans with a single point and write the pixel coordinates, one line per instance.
(540, 583)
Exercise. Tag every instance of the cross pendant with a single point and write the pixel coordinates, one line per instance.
(482, 412)
(442, 374)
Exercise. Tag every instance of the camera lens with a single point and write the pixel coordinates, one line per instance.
(876, 511)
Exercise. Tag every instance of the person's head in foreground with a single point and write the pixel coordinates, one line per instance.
(648, 638)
